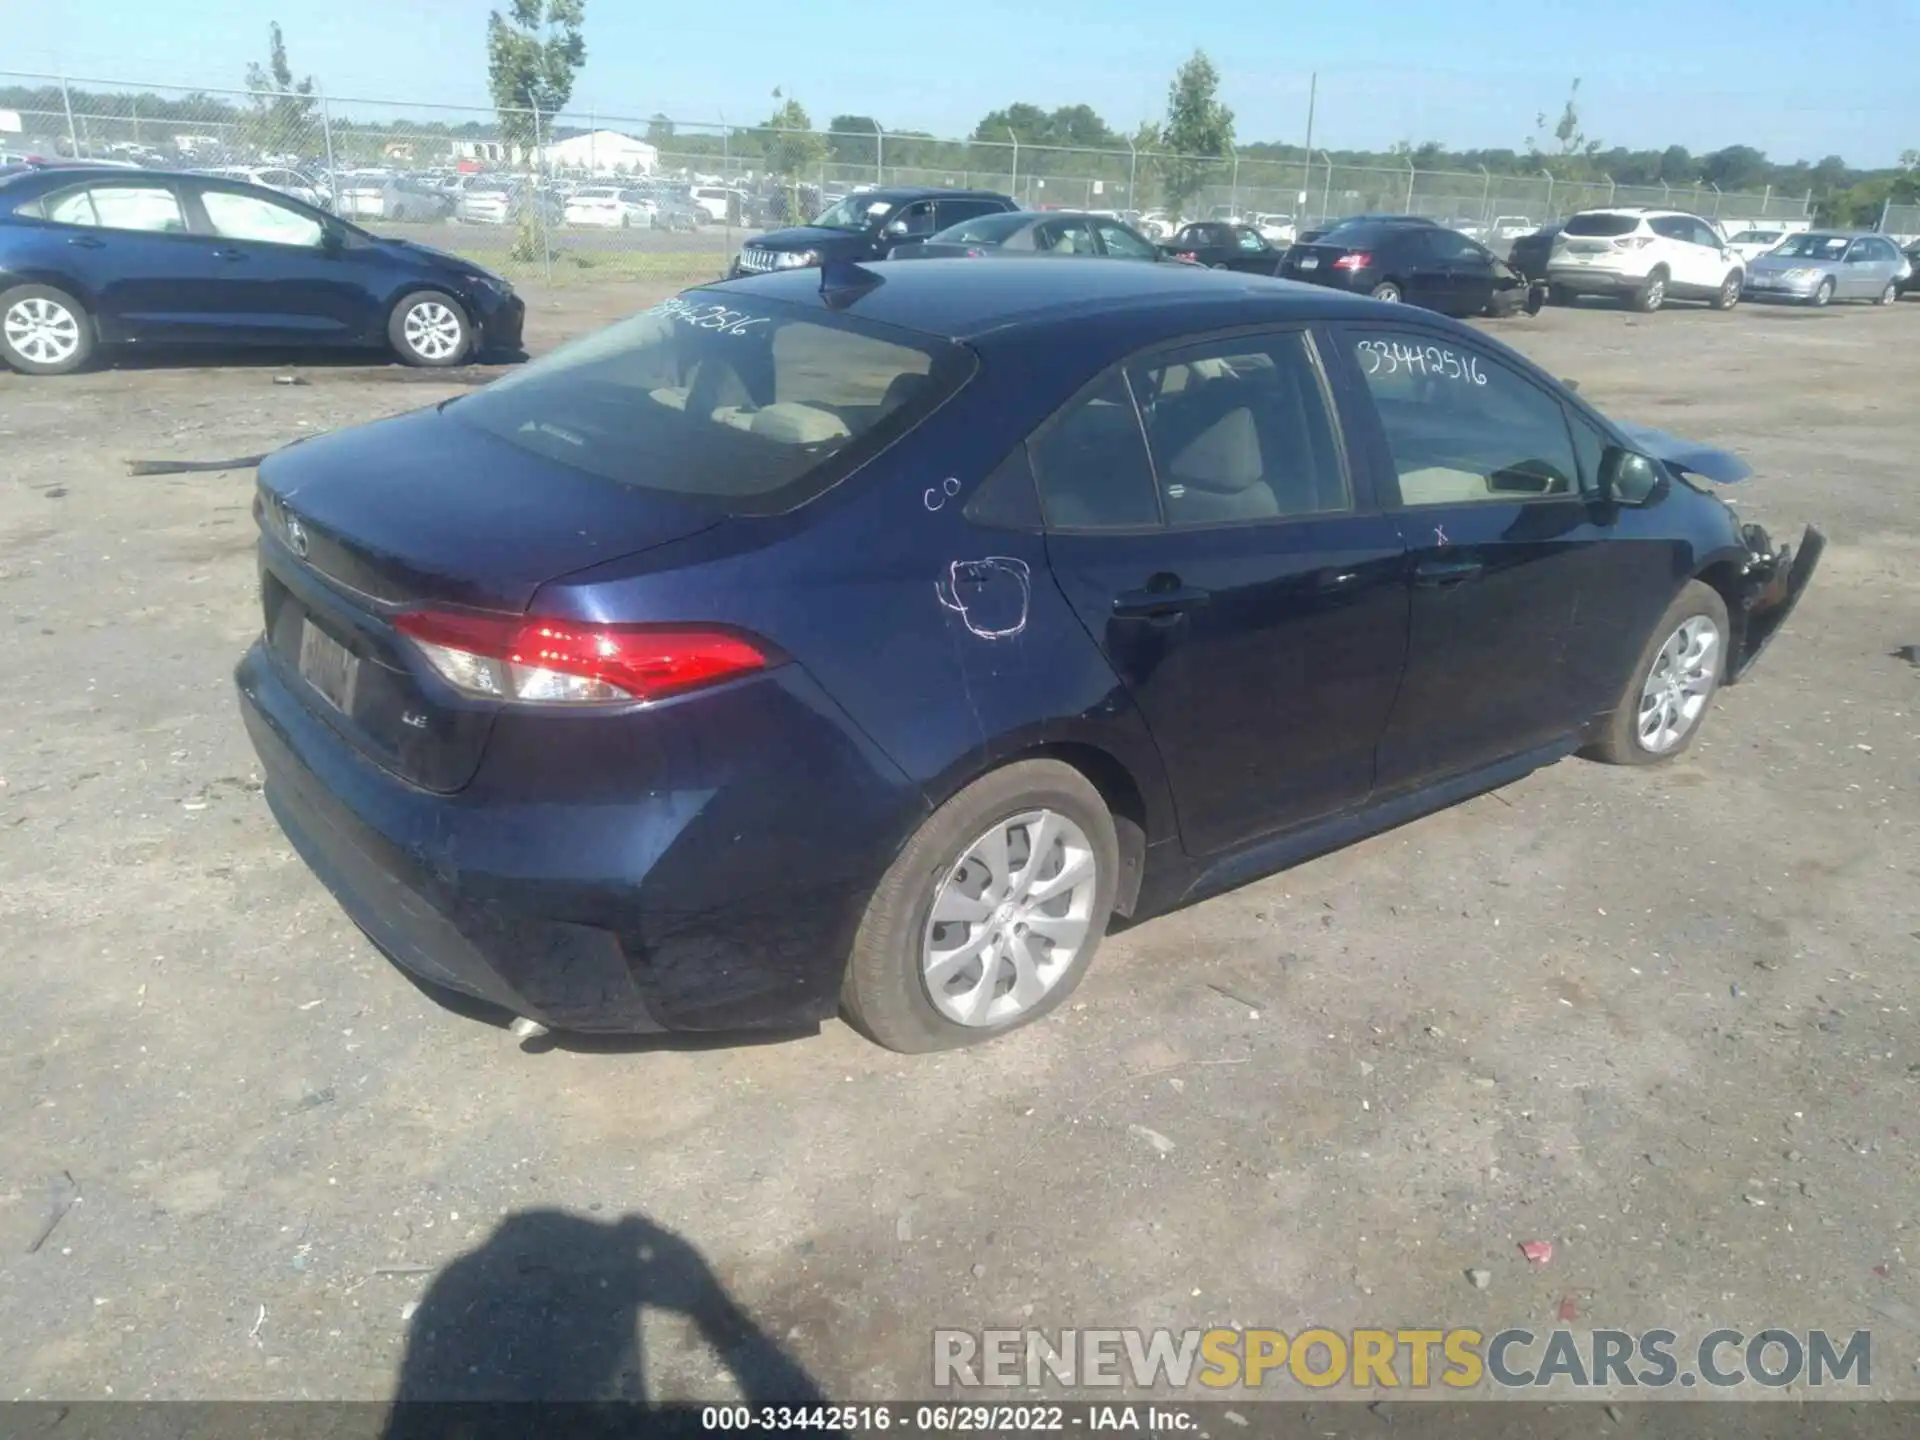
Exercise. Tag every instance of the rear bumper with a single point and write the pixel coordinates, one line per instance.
(622, 899)
(1586, 280)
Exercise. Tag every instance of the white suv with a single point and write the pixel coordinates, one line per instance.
(1644, 256)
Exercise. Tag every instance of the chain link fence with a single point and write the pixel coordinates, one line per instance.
(1900, 220)
(582, 194)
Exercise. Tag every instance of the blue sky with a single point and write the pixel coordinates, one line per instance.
(1796, 80)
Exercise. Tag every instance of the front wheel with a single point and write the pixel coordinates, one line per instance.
(429, 328)
(44, 331)
(1387, 292)
(1728, 295)
(989, 916)
(1823, 296)
(1664, 703)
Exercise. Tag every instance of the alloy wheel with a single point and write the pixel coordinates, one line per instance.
(1656, 293)
(432, 330)
(1010, 918)
(1678, 685)
(42, 331)
(1387, 294)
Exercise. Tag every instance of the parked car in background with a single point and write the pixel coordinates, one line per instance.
(93, 259)
(1220, 246)
(866, 225)
(723, 204)
(1644, 257)
(1159, 225)
(308, 189)
(397, 199)
(1531, 253)
(1912, 282)
(1750, 244)
(673, 206)
(609, 207)
(503, 200)
(1817, 267)
(1276, 229)
(1222, 575)
(1422, 265)
(1395, 218)
(1025, 232)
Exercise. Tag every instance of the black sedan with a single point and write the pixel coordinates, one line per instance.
(1420, 264)
(1026, 232)
(1219, 245)
(865, 639)
(99, 259)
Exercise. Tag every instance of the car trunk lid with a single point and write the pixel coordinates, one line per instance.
(423, 510)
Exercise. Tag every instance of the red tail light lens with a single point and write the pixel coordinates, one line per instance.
(974, 252)
(570, 662)
(1358, 260)
(1185, 255)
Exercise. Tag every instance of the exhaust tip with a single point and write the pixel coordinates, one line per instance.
(524, 1029)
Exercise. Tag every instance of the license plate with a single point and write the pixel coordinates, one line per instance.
(1310, 262)
(328, 666)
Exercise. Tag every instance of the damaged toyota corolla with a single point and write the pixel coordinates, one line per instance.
(863, 639)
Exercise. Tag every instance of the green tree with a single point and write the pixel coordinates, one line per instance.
(791, 144)
(534, 52)
(282, 116)
(854, 140)
(1738, 167)
(1197, 132)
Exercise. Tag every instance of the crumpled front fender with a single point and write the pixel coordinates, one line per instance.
(1771, 584)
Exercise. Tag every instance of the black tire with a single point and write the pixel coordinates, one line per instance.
(1388, 292)
(1890, 294)
(67, 323)
(449, 345)
(1728, 295)
(1652, 294)
(1619, 742)
(1823, 296)
(885, 993)
(1561, 295)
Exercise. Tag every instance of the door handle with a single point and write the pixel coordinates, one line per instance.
(227, 252)
(1436, 574)
(1335, 579)
(87, 242)
(1152, 604)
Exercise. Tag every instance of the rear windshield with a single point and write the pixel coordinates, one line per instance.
(743, 404)
(991, 229)
(1356, 232)
(1601, 223)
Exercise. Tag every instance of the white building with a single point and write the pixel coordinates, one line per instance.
(603, 152)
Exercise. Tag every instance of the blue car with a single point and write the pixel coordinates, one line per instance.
(94, 258)
(866, 638)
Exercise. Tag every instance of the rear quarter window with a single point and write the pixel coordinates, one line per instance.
(1603, 225)
(745, 405)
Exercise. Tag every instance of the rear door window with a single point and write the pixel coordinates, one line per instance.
(952, 212)
(116, 207)
(1091, 463)
(752, 410)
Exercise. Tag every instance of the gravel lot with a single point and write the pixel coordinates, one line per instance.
(1664, 1019)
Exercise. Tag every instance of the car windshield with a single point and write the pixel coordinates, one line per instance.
(985, 229)
(1755, 237)
(742, 404)
(1601, 223)
(1815, 247)
(856, 212)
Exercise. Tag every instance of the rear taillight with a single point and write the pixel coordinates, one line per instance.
(1633, 242)
(1185, 255)
(974, 252)
(569, 662)
(1359, 260)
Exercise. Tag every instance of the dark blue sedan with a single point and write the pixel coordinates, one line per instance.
(865, 638)
(94, 258)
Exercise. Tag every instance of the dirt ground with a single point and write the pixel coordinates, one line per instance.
(1664, 1019)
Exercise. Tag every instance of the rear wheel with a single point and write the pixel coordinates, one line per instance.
(44, 331)
(1665, 701)
(1728, 295)
(1652, 294)
(990, 915)
(429, 328)
(1387, 291)
(1823, 296)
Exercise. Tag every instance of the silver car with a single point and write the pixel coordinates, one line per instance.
(1820, 266)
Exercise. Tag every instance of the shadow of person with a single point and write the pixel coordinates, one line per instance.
(546, 1314)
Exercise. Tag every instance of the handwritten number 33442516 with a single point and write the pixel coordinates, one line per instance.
(1392, 357)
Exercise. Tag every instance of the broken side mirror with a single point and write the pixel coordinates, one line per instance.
(1627, 478)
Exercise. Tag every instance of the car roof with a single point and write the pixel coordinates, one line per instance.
(960, 302)
(921, 192)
